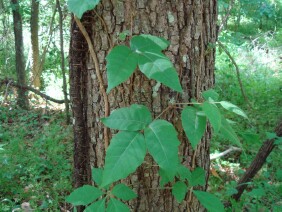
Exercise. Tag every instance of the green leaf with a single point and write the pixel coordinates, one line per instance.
(158, 67)
(213, 114)
(210, 94)
(97, 174)
(84, 195)
(166, 177)
(162, 144)
(78, 7)
(184, 173)
(278, 141)
(121, 63)
(198, 177)
(97, 206)
(227, 132)
(233, 108)
(153, 63)
(209, 201)
(133, 118)
(179, 191)
(161, 42)
(123, 192)
(125, 153)
(270, 135)
(141, 44)
(194, 125)
(117, 206)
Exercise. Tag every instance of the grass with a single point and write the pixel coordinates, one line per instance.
(260, 71)
(36, 159)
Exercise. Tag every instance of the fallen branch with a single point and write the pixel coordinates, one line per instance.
(257, 163)
(221, 154)
(26, 87)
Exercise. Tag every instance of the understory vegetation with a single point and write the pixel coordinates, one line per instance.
(36, 146)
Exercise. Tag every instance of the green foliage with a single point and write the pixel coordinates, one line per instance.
(116, 206)
(34, 164)
(78, 7)
(123, 192)
(146, 52)
(84, 195)
(209, 201)
(179, 190)
(121, 63)
(134, 118)
(213, 115)
(194, 125)
(139, 133)
(162, 143)
(124, 155)
(97, 206)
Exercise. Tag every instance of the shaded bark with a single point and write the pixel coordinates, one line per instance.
(22, 99)
(79, 99)
(257, 163)
(63, 61)
(190, 26)
(34, 27)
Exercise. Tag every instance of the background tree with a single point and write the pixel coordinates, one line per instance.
(20, 65)
(34, 28)
(191, 28)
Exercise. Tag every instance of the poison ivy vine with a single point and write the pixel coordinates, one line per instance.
(138, 133)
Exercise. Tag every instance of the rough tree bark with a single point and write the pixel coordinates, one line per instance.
(190, 26)
(22, 99)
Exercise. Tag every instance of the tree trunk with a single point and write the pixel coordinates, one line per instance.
(63, 61)
(22, 100)
(190, 26)
(35, 64)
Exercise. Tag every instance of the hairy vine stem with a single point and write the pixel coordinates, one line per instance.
(98, 73)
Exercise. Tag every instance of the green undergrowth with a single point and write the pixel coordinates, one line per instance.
(35, 159)
(260, 71)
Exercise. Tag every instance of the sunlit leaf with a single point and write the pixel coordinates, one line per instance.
(162, 144)
(179, 191)
(125, 153)
(198, 177)
(133, 118)
(209, 201)
(78, 7)
(84, 195)
(121, 63)
(97, 174)
(233, 108)
(97, 206)
(153, 63)
(193, 124)
(117, 206)
(123, 192)
(183, 172)
(213, 114)
(210, 95)
(161, 42)
(228, 133)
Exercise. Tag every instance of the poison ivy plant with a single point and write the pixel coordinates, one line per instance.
(139, 134)
(209, 201)
(78, 7)
(145, 52)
